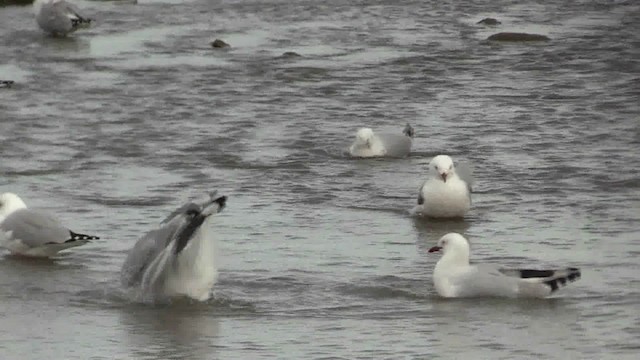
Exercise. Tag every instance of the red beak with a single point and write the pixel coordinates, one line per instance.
(435, 248)
(444, 177)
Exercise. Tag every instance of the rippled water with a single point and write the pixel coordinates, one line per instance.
(115, 126)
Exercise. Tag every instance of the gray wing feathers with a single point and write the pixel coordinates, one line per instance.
(35, 228)
(420, 196)
(490, 280)
(465, 173)
(486, 280)
(396, 145)
(147, 250)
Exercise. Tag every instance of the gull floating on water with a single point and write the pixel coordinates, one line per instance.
(177, 258)
(368, 144)
(444, 194)
(454, 277)
(34, 233)
(59, 17)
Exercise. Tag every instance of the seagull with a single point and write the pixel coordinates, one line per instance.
(368, 144)
(444, 194)
(177, 258)
(454, 277)
(59, 17)
(34, 233)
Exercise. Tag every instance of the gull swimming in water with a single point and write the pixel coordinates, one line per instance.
(454, 277)
(177, 258)
(34, 233)
(59, 17)
(368, 144)
(444, 194)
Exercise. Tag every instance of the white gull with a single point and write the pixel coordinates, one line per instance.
(34, 233)
(454, 277)
(59, 17)
(444, 194)
(369, 144)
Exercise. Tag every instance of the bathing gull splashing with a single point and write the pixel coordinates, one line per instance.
(177, 258)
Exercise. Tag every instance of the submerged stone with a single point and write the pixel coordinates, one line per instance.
(513, 36)
(217, 43)
(489, 21)
(290, 54)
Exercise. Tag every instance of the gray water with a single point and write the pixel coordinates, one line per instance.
(115, 126)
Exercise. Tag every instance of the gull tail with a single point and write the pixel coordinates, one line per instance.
(80, 22)
(561, 278)
(80, 237)
(408, 131)
(545, 282)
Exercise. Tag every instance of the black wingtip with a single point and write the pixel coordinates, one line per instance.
(529, 273)
(76, 237)
(573, 274)
(221, 201)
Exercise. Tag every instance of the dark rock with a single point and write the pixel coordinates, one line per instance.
(489, 21)
(290, 54)
(6, 83)
(15, 2)
(512, 36)
(217, 43)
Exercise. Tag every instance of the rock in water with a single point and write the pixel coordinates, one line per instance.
(217, 43)
(489, 21)
(513, 36)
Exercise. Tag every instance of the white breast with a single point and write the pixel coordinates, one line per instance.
(195, 270)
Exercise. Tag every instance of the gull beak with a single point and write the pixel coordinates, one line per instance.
(444, 176)
(435, 249)
(215, 206)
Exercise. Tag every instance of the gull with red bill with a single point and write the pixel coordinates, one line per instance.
(454, 277)
(447, 193)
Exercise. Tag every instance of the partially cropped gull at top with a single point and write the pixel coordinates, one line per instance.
(177, 259)
(444, 194)
(59, 17)
(34, 233)
(370, 144)
(455, 277)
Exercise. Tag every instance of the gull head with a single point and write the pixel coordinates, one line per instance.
(441, 167)
(10, 202)
(193, 215)
(364, 136)
(454, 245)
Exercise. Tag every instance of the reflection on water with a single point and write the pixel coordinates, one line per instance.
(173, 331)
(431, 230)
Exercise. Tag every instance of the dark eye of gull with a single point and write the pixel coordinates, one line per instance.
(192, 212)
